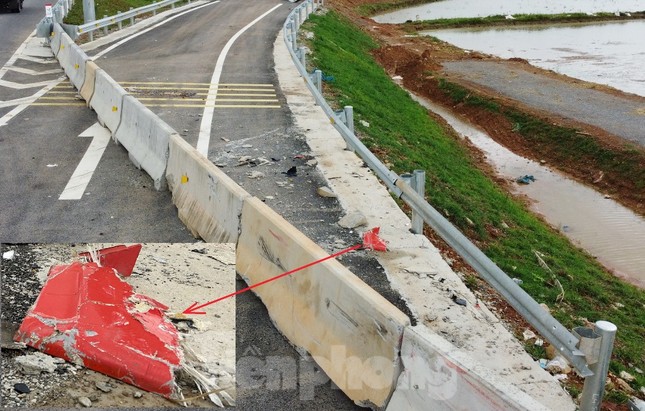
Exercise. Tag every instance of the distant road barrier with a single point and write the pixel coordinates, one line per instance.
(582, 348)
(60, 10)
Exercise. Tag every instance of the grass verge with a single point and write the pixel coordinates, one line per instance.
(518, 20)
(402, 134)
(103, 8)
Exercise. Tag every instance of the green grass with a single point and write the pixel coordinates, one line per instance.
(103, 8)
(378, 8)
(564, 143)
(401, 133)
(518, 19)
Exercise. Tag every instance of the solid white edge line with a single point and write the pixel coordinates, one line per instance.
(203, 141)
(125, 40)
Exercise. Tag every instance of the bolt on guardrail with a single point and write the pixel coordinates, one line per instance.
(573, 346)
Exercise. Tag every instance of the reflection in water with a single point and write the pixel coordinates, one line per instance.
(599, 225)
(448, 9)
(610, 53)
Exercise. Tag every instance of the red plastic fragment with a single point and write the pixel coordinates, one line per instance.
(122, 258)
(87, 315)
(372, 241)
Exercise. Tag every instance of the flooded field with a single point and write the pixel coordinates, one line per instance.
(481, 8)
(610, 53)
(606, 229)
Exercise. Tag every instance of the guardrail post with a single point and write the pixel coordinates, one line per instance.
(318, 80)
(296, 17)
(131, 18)
(416, 180)
(89, 14)
(594, 387)
(302, 56)
(120, 23)
(154, 12)
(349, 118)
(294, 34)
(105, 29)
(420, 187)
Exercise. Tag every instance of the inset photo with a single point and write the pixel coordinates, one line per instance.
(118, 325)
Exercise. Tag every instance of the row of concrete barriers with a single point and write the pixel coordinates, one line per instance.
(364, 343)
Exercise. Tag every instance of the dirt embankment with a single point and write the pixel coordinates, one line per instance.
(420, 62)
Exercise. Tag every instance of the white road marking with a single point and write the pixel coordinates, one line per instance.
(203, 141)
(19, 86)
(85, 169)
(34, 72)
(5, 119)
(125, 40)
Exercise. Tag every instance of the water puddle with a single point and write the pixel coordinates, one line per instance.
(608, 53)
(477, 8)
(606, 229)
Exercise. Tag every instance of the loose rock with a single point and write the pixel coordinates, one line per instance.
(36, 363)
(103, 386)
(85, 402)
(353, 220)
(626, 376)
(21, 388)
(326, 192)
(137, 394)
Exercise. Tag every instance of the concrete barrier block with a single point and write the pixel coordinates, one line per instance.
(350, 330)
(146, 137)
(207, 200)
(55, 38)
(73, 61)
(438, 376)
(87, 89)
(107, 100)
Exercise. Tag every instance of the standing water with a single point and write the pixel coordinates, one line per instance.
(609, 53)
(448, 9)
(606, 229)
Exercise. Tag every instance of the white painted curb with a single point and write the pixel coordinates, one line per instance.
(438, 376)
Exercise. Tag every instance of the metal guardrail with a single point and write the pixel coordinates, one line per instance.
(575, 347)
(117, 19)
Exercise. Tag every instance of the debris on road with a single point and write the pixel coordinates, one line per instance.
(326, 192)
(353, 220)
(527, 179)
(21, 388)
(88, 315)
(36, 363)
(8, 255)
(292, 172)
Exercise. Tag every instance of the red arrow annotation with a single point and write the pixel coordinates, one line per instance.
(371, 241)
(192, 309)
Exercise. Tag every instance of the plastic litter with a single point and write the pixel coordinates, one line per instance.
(526, 179)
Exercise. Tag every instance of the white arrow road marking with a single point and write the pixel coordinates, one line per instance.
(203, 141)
(83, 173)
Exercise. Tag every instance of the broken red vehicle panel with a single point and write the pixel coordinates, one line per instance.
(122, 258)
(88, 315)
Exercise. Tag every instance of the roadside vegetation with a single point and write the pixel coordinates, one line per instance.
(398, 130)
(518, 20)
(103, 8)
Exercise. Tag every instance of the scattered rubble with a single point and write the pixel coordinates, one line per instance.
(37, 362)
